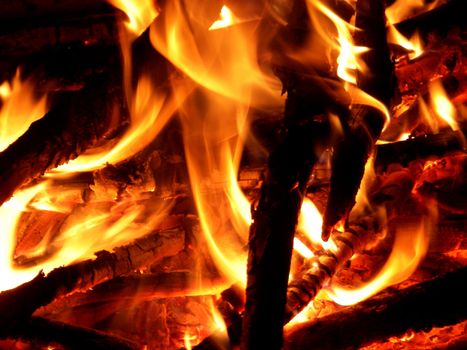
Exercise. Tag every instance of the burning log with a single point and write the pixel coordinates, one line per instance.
(18, 304)
(275, 215)
(76, 122)
(274, 221)
(40, 331)
(351, 154)
(446, 16)
(429, 304)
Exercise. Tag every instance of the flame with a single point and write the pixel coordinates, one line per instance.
(214, 59)
(226, 19)
(302, 249)
(403, 9)
(140, 13)
(348, 61)
(410, 246)
(310, 223)
(20, 107)
(150, 111)
(414, 44)
(441, 104)
(89, 228)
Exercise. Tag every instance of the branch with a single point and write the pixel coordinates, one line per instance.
(18, 304)
(429, 304)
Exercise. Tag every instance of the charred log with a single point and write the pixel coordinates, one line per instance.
(351, 154)
(429, 304)
(40, 331)
(441, 19)
(16, 305)
(76, 121)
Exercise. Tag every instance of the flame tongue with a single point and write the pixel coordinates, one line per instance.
(18, 110)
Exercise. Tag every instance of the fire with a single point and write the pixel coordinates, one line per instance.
(442, 106)
(414, 45)
(141, 13)
(348, 61)
(87, 229)
(226, 19)
(403, 9)
(214, 59)
(310, 223)
(410, 246)
(149, 111)
(19, 108)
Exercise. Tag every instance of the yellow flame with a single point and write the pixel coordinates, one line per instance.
(140, 13)
(226, 19)
(410, 246)
(302, 249)
(149, 113)
(87, 229)
(414, 44)
(403, 9)
(20, 107)
(310, 223)
(214, 59)
(347, 62)
(442, 106)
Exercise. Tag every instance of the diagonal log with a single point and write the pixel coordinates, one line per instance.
(42, 332)
(18, 304)
(352, 152)
(429, 304)
(76, 121)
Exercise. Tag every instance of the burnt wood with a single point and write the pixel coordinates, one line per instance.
(18, 304)
(434, 303)
(76, 121)
(42, 332)
(366, 124)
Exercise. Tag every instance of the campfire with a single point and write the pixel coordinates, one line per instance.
(233, 174)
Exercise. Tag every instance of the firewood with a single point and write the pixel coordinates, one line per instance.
(40, 331)
(76, 121)
(351, 154)
(142, 287)
(403, 152)
(19, 303)
(305, 136)
(429, 304)
(441, 19)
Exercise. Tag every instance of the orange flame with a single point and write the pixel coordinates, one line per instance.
(410, 246)
(442, 106)
(141, 13)
(403, 9)
(20, 107)
(150, 111)
(348, 61)
(414, 45)
(214, 59)
(87, 229)
(226, 19)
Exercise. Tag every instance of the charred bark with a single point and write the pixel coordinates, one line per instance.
(351, 154)
(429, 304)
(43, 332)
(16, 305)
(76, 121)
